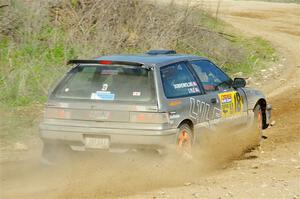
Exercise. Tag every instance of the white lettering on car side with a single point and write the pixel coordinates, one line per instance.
(199, 111)
(207, 106)
(193, 114)
(217, 112)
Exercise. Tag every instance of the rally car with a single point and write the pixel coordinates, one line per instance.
(151, 100)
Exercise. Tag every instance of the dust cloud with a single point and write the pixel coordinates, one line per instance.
(111, 175)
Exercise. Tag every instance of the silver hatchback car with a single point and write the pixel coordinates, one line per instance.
(150, 100)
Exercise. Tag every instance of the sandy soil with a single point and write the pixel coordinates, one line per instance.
(273, 171)
(278, 23)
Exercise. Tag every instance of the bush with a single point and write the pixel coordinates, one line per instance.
(38, 37)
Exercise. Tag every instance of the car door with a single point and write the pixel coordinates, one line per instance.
(229, 104)
(184, 95)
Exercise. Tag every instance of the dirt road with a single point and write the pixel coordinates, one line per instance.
(271, 172)
(276, 22)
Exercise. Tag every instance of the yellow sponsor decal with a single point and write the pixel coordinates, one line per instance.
(231, 103)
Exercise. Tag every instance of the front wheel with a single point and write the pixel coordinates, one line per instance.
(256, 127)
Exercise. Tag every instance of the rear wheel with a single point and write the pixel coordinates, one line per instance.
(54, 153)
(184, 140)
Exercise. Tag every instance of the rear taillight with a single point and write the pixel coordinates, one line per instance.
(154, 118)
(56, 113)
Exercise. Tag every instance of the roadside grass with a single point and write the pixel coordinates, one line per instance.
(27, 69)
(18, 124)
(259, 54)
(36, 41)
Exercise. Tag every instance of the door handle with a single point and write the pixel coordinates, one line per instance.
(213, 100)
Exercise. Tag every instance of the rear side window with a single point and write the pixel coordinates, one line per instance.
(107, 83)
(178, 81)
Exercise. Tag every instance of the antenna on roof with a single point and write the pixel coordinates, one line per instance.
(160, 52)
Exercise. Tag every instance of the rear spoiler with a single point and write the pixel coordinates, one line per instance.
(104, 62)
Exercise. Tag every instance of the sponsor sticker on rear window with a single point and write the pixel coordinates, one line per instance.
(103, 95)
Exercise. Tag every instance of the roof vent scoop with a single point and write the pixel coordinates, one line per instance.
(161, 52)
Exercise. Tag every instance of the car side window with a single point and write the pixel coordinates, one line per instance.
(178, 81)
(212, 78)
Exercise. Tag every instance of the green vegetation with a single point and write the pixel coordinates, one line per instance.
(18, 123)
(37, 39)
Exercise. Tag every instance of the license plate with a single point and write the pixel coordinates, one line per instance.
(100, 115)
(97, 143)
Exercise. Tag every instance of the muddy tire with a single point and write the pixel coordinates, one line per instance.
(256, 127)
(184, 140)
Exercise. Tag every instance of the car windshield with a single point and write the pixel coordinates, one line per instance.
(107, 83)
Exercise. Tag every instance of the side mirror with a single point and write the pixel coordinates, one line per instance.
(238, 82)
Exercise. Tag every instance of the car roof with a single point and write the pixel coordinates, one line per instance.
(152, 60)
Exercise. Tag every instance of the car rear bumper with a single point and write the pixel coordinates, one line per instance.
(125, 139)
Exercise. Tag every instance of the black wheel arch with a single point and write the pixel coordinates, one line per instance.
(191, 126)
(188, 122)
(263, 105)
